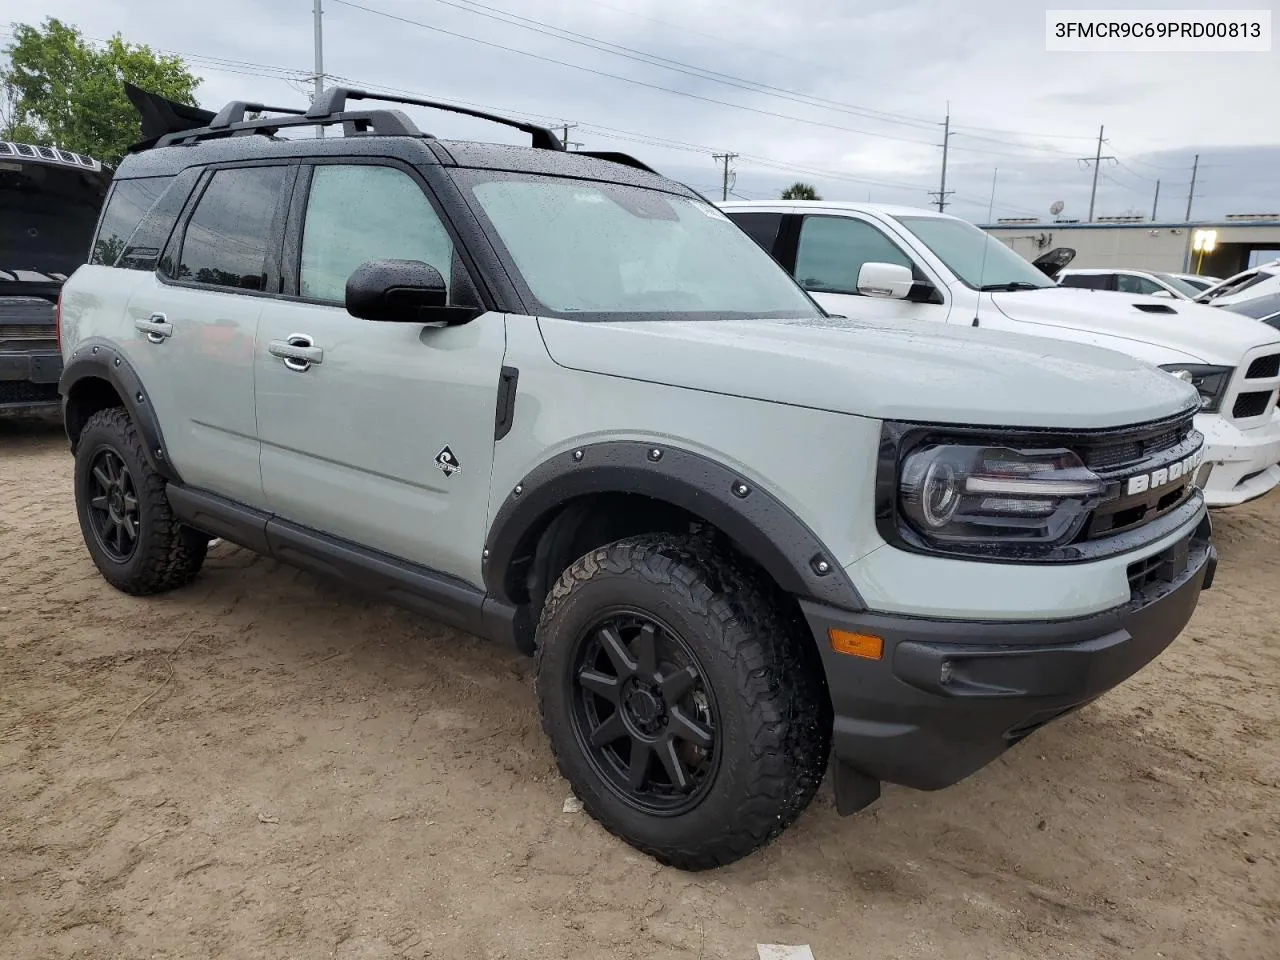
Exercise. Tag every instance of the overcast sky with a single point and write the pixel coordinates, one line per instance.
(883, 69)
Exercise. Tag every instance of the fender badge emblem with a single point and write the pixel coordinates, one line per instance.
(447, 462)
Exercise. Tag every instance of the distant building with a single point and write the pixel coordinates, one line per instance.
(1238, 241)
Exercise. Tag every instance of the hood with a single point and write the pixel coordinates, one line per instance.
(903, 370)
(1188, 332)
(51, 207)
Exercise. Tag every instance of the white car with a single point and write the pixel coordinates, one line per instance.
(1199, 281)
(1245, 285)
(1143, 282)
(872, 260)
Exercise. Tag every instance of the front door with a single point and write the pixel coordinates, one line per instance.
(384, 437)
(831, 252)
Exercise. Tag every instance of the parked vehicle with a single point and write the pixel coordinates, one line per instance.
(1201, 283)
(49, 202)
(1265, 308)
(1142, 282)
(556, 399)
(1245, 285)
(874, 261)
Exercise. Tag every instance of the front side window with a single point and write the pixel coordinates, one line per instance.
(980, 260)
(760, 227)
(360, 212)
(1088, 281)
(833, 249)
(1184, 287)
(1131, 283)
(604, 251)
(227, 237)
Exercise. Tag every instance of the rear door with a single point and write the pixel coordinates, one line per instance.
(194, 320)
(386, 438)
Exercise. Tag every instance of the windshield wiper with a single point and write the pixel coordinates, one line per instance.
(1011, 285)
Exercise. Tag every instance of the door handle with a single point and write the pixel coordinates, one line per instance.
(157, 327)
(298, 352)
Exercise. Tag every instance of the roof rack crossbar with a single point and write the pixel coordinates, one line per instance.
(234, 112)
(334, 100)
(391, 123)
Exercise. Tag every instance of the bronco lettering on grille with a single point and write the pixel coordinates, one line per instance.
(1165, 475)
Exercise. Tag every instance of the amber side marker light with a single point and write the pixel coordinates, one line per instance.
(863, 645)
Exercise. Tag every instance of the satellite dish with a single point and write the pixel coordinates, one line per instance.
(1056, 207)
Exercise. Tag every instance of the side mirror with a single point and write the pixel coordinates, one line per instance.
(402, 291)
(890, 280)
(1165, 293)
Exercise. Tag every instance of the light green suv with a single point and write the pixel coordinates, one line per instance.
(556, 399)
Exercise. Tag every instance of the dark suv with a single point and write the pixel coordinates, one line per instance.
(49, 204)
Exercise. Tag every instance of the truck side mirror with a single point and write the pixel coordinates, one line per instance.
(402, 291)
(888, 280)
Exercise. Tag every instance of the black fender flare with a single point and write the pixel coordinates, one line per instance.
(760, 524)
(98, 359)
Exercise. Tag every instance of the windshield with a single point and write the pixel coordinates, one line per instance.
(48, 217)
(1189, 289)
(603, 251)
(977, 258)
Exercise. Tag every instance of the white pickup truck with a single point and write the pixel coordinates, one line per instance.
(871, 260)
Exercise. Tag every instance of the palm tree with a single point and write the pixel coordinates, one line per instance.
(800, 191)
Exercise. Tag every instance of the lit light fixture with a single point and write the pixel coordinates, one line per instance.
(1204, 241)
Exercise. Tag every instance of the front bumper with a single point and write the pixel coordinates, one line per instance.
(947, 697)
(29, 381)
(1243, 462)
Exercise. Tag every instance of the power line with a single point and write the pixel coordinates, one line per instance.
(631, 80)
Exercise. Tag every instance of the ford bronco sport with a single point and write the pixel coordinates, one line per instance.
(49, 202)
(557, 399)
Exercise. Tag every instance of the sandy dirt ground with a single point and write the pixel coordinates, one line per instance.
(265, 766)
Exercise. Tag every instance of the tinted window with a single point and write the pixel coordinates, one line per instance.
(833, 250)
(1130, 283)
(358, 213)
(227, 236)
(760, 227)
(1090, 281)
(1258, 307)
(128, 204)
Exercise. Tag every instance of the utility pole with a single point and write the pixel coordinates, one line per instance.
(1155, 204)
(319, 28)
(992, 205)
(1195, 166)
(942, 192)
(726, 157)
(569, 144)
(1096, 160)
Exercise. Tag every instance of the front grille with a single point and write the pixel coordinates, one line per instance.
(1252, 404)
(1105, 455)
(1264, 368)
(24, 391)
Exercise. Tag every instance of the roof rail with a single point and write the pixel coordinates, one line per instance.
(334, 100)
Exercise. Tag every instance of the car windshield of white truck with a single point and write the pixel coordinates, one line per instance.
(978, 259)
(605, 251)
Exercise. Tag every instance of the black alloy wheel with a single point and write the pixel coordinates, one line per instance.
(643, 713)
(113, 505)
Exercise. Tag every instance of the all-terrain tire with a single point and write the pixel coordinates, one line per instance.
(166, 554)
(774, 712)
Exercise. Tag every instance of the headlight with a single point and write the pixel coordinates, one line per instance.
(1210, 381)
(959, 494)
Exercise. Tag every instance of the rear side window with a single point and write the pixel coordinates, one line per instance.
(227, 236)
(1090, 281)
(129, 202)
(760, 227)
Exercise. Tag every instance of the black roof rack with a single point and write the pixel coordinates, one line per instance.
(334, 101)
(166, 122)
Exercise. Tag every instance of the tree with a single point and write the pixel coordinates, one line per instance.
(800, 191)
(67, 92)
